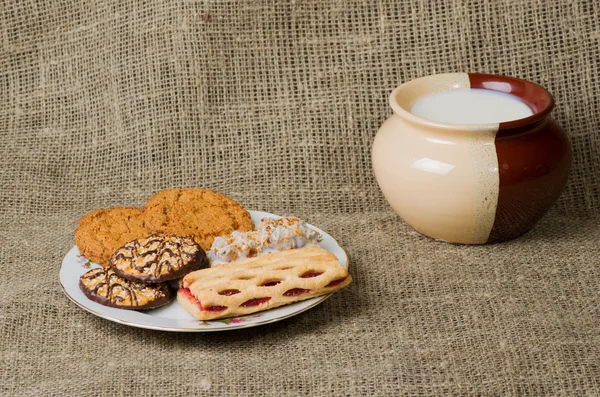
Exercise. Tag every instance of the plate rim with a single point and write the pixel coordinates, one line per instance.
(181, 329)
(226, 327)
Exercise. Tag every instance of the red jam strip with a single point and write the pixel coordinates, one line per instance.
(188, 294)
(335, 282)
(255, 301)
(215, 308)
(271, 283)
(295, 292)
(310, 274)
(229, 292)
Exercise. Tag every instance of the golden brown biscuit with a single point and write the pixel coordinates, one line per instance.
(102, 231)
(198, 213)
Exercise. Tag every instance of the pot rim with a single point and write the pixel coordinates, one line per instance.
(536, 97)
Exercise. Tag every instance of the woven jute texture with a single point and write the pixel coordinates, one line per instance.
(276, 103)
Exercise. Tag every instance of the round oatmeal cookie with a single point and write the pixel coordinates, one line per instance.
(102, 231)
(198, 213)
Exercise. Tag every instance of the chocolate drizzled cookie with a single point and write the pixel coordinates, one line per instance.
(102, 285)
(155, 259)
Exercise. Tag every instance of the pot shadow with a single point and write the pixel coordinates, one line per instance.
(552, 228)
(559, 228)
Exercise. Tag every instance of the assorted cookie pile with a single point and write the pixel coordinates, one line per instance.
(245, 271)
(198, 213)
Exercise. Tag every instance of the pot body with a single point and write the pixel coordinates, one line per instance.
(471, 184)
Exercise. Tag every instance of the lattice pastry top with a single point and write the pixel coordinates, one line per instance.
(254, 284)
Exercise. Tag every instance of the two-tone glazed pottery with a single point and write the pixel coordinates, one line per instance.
(471, 183)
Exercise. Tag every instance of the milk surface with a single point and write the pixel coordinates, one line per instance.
(471, 106)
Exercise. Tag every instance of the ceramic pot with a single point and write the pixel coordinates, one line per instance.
(471, 183)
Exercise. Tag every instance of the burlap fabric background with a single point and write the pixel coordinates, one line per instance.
(276, 104)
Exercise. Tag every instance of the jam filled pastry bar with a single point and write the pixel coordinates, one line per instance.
(261, 283)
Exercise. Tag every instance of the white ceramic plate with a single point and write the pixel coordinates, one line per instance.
(173, 316)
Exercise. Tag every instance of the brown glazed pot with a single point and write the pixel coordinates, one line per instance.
(471, 183)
